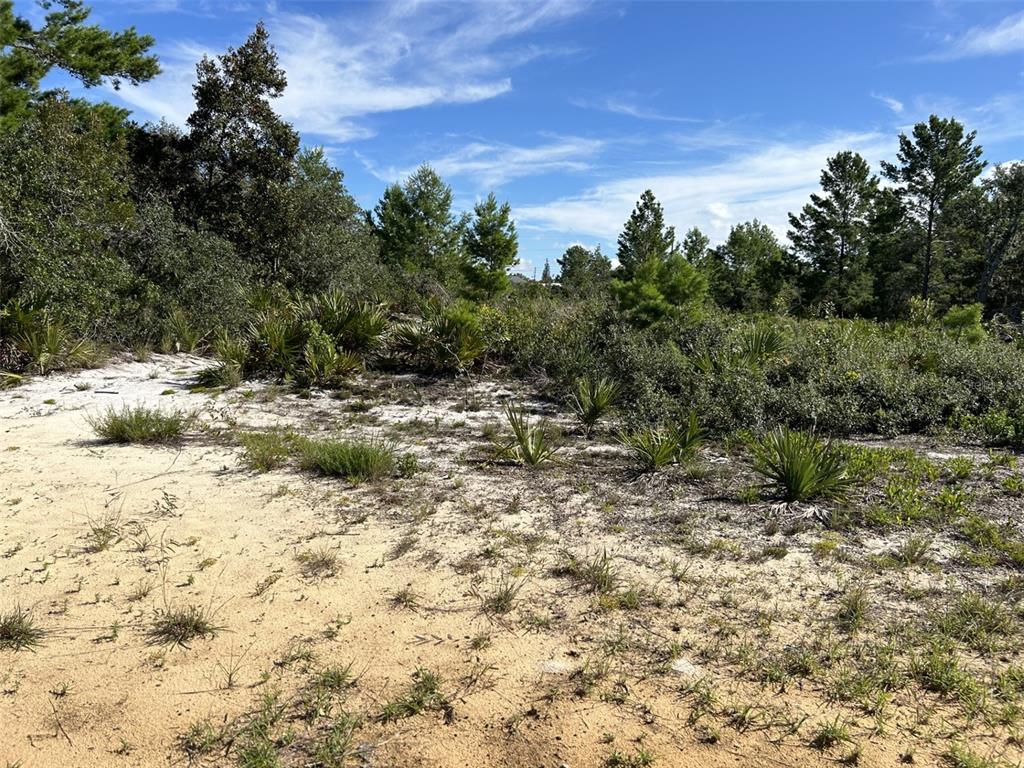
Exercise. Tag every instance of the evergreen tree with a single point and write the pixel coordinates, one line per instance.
(545, 276)
(65, 41)
(492, 247)
(1002, 277)
(242, 153)
(582, 271)
(418, 231)
(937, 164)
(654, 279)
(645, 236)
(752, 271)
(695, 246)
(832, 233)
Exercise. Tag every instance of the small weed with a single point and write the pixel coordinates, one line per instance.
(318, 564)
(422, 696)
(502, 597)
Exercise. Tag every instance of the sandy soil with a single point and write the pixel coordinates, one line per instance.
(559, 680)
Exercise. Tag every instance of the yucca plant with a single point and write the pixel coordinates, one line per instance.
(591, 399)
(185, 336)
(651, 448)
(799, 466)
(531, 444)
(761, 344)
(688, 438)
(325, 365)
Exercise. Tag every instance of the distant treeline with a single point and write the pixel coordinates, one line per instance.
(113, 228)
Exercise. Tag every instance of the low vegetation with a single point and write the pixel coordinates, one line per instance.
(139, 424)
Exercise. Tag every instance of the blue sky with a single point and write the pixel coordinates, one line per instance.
(571, 109)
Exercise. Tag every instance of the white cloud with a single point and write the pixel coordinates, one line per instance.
(1005, 37)
(766, 184)
(491, 164)
(893, 104)
(341, 70)
(623, 106)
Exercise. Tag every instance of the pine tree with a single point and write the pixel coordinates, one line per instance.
(936, 165)
(654, 279)
(645, 236)
(242, 152)
(87, 52)
(1004, 236)
(832, 232)
(545, 276)
(582, 271)
(418, 231)
(492, 247)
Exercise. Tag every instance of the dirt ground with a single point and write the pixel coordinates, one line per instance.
(97, 540)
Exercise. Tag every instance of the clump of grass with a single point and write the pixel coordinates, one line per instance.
(640, 759)
(18, 631)
(532, 444)
(591, 399)
(264, 451)
(319, 563)
(830, 733)
(177, 625)
(976, 621)
(140, 424)
(201, 738)
(356, 460)
(853, 609)
(422, 696)
(597, 574)
(959, 756)
(502, 597)
(799, 466)
(914, 550)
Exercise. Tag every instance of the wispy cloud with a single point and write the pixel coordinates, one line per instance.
(765, 183)
(344, 69)
(627, 106)
(1007, 36)
(893, 104)
(491, 164)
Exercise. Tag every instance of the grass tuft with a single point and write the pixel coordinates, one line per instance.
(181, 625)
(357, 461)
(140, 424)
(18, 631)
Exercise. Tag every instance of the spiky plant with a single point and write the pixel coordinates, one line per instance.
(531, 443)
(185, 336)
(591, 399)
(688, 438)
(762, 343)
(326, 365)
(799, 466)
(651, 448)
